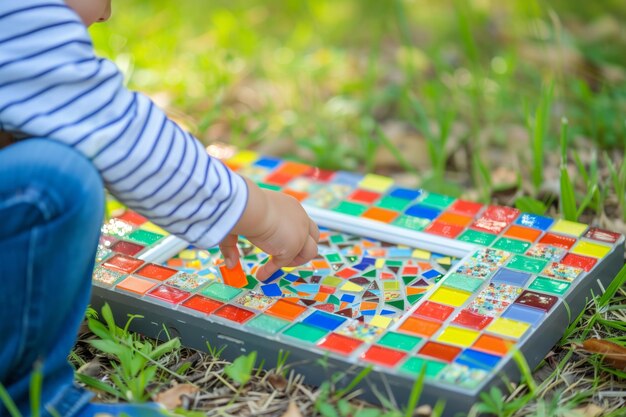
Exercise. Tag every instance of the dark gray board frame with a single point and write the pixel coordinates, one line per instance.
(196, 329)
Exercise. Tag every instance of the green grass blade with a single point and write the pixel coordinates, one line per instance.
(416, 393)
(8, 402)
(357, 379)
(36, 381)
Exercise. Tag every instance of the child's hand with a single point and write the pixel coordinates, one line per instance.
(278, 225)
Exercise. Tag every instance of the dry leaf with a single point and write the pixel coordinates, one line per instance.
(591, 410)
(292, 410)
(614, 354)
(277, 382)
(171, 398)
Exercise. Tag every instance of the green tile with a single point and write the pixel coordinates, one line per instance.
(145, 237)
(437, 200)
(410, 222)
(393, 203)
(512, 245)
(267, 324)
(399, 341)
(352, 209)
(524, 263)
(333, 258)
(414, 366)
(463, 282)
(252, 282)
(305, 332)
(220, 291)
(337, 238)
(269, 186)
(475, 236)
(552, 286)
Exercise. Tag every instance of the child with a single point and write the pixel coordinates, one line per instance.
(86, 129)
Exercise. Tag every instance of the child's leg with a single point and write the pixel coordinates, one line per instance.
(51, 208)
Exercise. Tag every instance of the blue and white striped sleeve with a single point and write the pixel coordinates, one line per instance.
(53, 86)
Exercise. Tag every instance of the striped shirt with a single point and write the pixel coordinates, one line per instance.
(53, 86)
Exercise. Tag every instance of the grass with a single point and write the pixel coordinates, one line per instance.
(469, 96)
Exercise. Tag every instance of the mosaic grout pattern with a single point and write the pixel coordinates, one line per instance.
(367, 301)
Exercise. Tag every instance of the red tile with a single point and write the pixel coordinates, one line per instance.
(383, 356)
(202, 304)
(434, 311)
(537, 300)
(466, 207)
(157, 272)
(277, 178)
(320, 175)
(123, 263)
(169, 294)
(602, 235)
(501, 213)
(442, 229)
(560, 241)
(488, 225)
(579, 261)
(340, 344)
(472, 320)
(364, 196)
(440, 351)
(232, 313)
(127, 248)
(133, 218)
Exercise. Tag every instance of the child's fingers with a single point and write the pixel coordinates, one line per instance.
(314, 231)
(308, 252)
(229, 249)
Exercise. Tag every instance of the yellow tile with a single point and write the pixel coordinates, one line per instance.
(420, 254)
(380, 321)
(376, 183)
(114, 207)
(391, 285)
(508, 327)
(351, 287)
(458, 336)
(450, 296)
(151, 227)
(187, 255)
(591, 249)
(380, 262)
(244, 158)
(569, 228)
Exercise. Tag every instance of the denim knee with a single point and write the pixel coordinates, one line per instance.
(49, 179)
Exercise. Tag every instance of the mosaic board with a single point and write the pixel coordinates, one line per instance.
(365, 302)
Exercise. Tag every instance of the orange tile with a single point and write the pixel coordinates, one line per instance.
(419, 326)
(286, 310)
(136, 285)
(298, 195)
(319, 264)
(414, 290)
(368, 305)
(523, 233)
(176, 262)
(293, 169)
(455, 219)
(492, 344)
(235, 277)
(320, 297)
(380, 214)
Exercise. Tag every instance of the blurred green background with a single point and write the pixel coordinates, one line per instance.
(459, 96)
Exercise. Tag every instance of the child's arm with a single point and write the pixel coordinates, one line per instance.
(52, 86)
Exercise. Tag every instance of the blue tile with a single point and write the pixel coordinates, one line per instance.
(529, 315)
(291, 277)
(508, 276)
(477, 360)
(348, 298)
(271, 290)
(324, 320)
(534, 221)
(348, 178)
(268, 162)
(275, 276)
(405, 193)
(431, 273)
(422, 212)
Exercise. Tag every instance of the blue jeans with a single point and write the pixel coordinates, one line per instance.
(51, 209)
